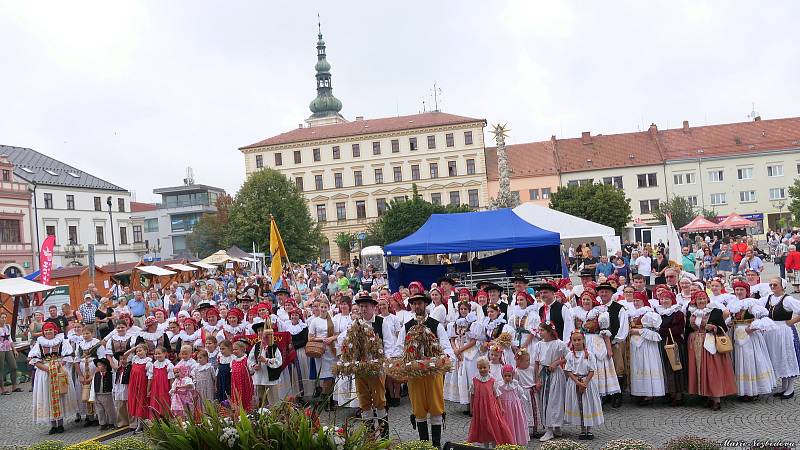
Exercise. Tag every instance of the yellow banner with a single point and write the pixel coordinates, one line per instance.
(277, 250)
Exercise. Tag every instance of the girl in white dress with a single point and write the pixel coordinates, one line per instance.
(717, 296)
(48, 355)
(344, 391)
(436, 309)
(463, 332)
(321, 329)
(592, 318)
(551, 353)
(784, 310)
(753, 368)
(647, 371)
(524, 320)
(582, 404)
(494, 325)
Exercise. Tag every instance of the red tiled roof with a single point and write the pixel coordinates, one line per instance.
(607, 151)
(731, 139)
(364, 127)
(141, 207)
(533, 159)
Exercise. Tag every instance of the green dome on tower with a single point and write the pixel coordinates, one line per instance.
(325, 105)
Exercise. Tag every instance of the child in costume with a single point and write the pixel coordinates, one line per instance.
(487, 425)
(526, 375)
(242, 389)
(224, 370)
(205, 379)
(182, 394)
(550, 380)
(159, 374)
(138, 387)
(582, 400)
(103, 388)
(509, 393)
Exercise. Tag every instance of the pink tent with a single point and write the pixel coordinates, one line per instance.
(698, 225)
(735, 221)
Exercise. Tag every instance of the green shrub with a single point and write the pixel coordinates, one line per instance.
(414, 445)
(48, 445)
(628, 444)
(691, 443)
(562, 444)
(509, 447)
(129, 443)
(88, 445)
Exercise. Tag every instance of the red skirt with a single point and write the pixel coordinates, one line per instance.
(138, 402)
(159, 393)
(241, 385)
(488, 423)
(709, 375)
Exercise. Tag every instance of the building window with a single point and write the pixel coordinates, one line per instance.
(70, 201)
(777, 193)
(455, 198)
(400, 198)
(434, 170)
(184, 222)
(716, 176)
(356, 151)
(648, 206)
(100, 238)
(121, 204)
(684, 178)
(50, 230)
(614, 181)
(473, 198)
(583, 182)
(337, 180)
(412, 144)
(415, 172)
(318, 182)
(470, 167)
(533, 194)
(431, 142)
(468, 138)
(98, 204)
(719, 199)
(322, 214)
(691, 200)
(745, 173)
(9, 231)
(151, 225)
(645, 180)
(747, 196)
(376, 148)
(378, 176)
(297, 157)
(361, 209)
(337, 154)
(73, 234)
(358, 179)
(451, 169)
(316, 155)
(798, 168)
(137, 234)
(6, 175)
(298, 181)
(436, 198)
(341, 211)
(775, 170)
(278, 159)
(545, 193)
(380, 204)
(397, 172)
(448, 139)
(395, 146)
(48, 201)
(123, 235)
(259, 161)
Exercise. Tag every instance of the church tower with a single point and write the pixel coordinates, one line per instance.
(325, 108)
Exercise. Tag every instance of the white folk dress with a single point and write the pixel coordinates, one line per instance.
(551, 396)
(344, 391)
(318, 327)
(752, 365)
(587, 409)
(525, 323)
(647, 371)
(605, 375)
(457, 381)
(780, 340)
(42, 351)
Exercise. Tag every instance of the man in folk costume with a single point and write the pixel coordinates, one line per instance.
(449, 296)
(520, 285)
(494, 291)
(283, 303)
(618, 327)
(555, 312)
(427, 392)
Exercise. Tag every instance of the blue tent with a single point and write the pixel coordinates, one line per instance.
(472, 231)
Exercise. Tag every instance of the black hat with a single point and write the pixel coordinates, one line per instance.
(99, 361)
(493, 287)
(447, 279)
(417, 297)
(366, 298)
(281, 290)
(204, 305)
(587, 273)
(257, 326)
(605, 285)
(519, 278)
(481, 284)
(545, 286)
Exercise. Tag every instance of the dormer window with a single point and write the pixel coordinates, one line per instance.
(321, 51)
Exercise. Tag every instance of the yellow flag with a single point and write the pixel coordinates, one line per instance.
(277, 250)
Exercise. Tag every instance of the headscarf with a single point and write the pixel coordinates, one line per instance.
(669, 294)
(743, 285)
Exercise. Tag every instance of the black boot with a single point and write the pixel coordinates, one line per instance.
(436, 435)
(422, 429)
(383, 425)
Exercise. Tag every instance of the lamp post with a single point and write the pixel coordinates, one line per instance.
(113, 243)
(779, 205)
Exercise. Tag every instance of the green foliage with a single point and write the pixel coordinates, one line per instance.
(709, 214)
(794, 200)
(680, 210)
(269, 192)
(509, 447)
(128, 443)
(88, 445)
(414, 445)
(48, 445)
(601, 203)
(691, 443)
(343, 241)
(210, 232)
(402, 218)
(562, 444)
(627, 444)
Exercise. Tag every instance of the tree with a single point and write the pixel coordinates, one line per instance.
(794, 200)
(269, 192)
(343, 241)
(210, 232)
(680, 210)
(601, 203)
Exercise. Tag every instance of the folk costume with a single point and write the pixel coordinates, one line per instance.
(266, 361)
(752, 365)
(103, 388)
(710, 372)
(487, 425)
(553, 382)
(297, 373)
(160, 374)
(594, 325)
(242, 389)
(582, 408)
(117, 346)
(672, 329)
(138, 402)
(205, 382)
(463, 332)
(782, 341)
(646, 370)
(510, 396)
(53, 395)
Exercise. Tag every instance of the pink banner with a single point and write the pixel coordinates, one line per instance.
(46, 260)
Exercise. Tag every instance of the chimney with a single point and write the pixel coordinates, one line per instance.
(299, 125)
(358, 118)
(685, 126)
(586, 137)
(653, 130)
(757, 119)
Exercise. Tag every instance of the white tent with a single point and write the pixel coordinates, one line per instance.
(569, 226)
(22, 286)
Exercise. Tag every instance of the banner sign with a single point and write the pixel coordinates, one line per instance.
(46, 259)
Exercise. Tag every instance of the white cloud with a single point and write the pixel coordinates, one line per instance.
(539, 18)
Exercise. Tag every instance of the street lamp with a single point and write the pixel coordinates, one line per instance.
(779, 205)
(111, 220)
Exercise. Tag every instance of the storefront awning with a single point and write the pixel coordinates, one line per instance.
(155, 270)
(182, 268)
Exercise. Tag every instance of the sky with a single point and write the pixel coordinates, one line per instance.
(136, 91)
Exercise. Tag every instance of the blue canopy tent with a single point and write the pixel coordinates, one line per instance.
(475, 231)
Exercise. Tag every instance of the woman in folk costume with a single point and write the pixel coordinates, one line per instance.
(344, 391)
(53, 394)
(322, 329)
(718, 294)
(233, 325)
(758, 289)
(190, 335)
(673, 326)
(593, 320)
(495, 326)
(119, 349)
(437, 308)
(212, 324)
(464, 333)
(684, 295)
(782, 341)
(297, 375)
(710, 372)
(551, 354)
(524, 320)
(647, 372)
(151, 336)
(753, 367)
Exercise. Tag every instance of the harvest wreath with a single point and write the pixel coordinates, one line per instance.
(423, 356)
(362, 352)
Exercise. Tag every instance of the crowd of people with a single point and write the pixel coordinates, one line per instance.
(526, 362)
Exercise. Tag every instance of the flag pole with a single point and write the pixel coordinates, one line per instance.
(288, 262)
